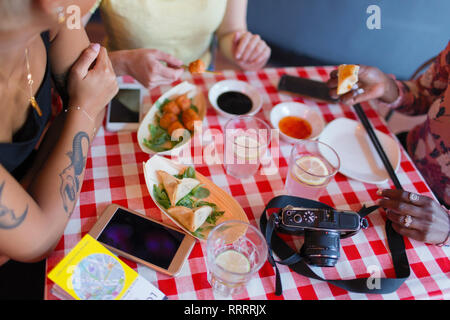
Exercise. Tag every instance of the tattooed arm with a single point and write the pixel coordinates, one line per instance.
(32, 221)
(31, 224)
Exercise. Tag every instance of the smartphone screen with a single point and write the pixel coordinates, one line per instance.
(141, 238)
(125, 106)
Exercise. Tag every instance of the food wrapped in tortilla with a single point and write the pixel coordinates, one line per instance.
(176, 188)
(191, 219)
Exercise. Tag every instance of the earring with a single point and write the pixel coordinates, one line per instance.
(60, 14)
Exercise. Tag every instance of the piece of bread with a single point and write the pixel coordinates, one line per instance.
(176, 188)
(189, 218)
(347, 78)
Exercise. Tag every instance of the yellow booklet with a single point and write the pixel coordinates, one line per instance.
(92, 272)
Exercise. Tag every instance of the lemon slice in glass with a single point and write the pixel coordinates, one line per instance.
(233, 261)
(314, 170)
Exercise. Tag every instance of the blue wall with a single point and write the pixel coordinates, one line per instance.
(335, 31)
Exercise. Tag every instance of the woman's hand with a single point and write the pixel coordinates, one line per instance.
(92, 82)
(146, 66)
(415, 216)
(375, 84)
(250, 52)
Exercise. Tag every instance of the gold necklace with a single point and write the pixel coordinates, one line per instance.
(32, 99)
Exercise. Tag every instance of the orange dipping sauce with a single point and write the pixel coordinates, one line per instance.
(295, 127)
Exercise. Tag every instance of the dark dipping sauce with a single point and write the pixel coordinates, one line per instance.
(235, 102)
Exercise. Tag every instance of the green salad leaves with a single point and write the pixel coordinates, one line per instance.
(160, 139)
(193, 200)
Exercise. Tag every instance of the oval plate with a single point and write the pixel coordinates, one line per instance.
(225, 202)
(198, 100)
(359, 158)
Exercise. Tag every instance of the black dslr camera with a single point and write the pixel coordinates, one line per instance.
(322, 229)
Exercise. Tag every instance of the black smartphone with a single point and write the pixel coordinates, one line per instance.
(313, 89)
(144, 240)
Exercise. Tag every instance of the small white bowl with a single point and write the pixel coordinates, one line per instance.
(300, 110)
(239, 86)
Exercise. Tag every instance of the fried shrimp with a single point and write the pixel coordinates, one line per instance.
(167, 119)
(189, 117)
(197, 66)
(183, 102)
(175, 126)
(171, 107)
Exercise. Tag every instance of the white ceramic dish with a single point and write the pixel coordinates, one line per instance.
(226, 203)
(185, 87)
(359, 158)
(300, 110)
(239, 86)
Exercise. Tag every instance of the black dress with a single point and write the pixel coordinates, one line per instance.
(21, 280)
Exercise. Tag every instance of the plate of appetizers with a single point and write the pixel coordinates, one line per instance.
(192, 201)
(171, 121)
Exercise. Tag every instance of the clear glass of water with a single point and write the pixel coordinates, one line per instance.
(235, 252)
(246, 141)
(312, 165)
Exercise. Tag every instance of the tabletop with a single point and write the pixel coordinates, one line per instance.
(114, 174)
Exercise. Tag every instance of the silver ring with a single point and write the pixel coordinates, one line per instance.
(413, 197)
(406, 221)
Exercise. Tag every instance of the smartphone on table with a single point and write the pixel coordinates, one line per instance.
(313, 89)
(142, 239)
(124, 109)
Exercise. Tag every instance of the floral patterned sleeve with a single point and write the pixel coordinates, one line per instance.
(429, 143)
(417, 96)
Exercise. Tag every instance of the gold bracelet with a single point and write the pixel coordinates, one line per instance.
(84, 112)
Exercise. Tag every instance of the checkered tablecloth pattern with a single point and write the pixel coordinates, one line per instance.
(114, 174)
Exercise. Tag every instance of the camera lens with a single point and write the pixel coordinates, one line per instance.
(321, 248)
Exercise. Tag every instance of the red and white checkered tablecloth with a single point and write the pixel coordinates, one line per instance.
(114, 174)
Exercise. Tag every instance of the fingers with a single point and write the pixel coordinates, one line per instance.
(261, 53)
(400, 207)
(368, 87)
(251, 52)
(369, 93)
(405, 196)
(168, 58)
(332, 83)
(254, 41)
(243, 42)
(87, 58)
(169, 73)
(400, 220)
(103, 63)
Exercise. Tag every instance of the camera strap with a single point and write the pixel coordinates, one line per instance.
(296, 262)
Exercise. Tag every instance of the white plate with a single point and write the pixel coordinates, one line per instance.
(182, 88)
(225, 202)
(300, 110)
(239, 86)
(359, 158)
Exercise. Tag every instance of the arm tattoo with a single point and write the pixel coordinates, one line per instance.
(8, 218)
(70, 183)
